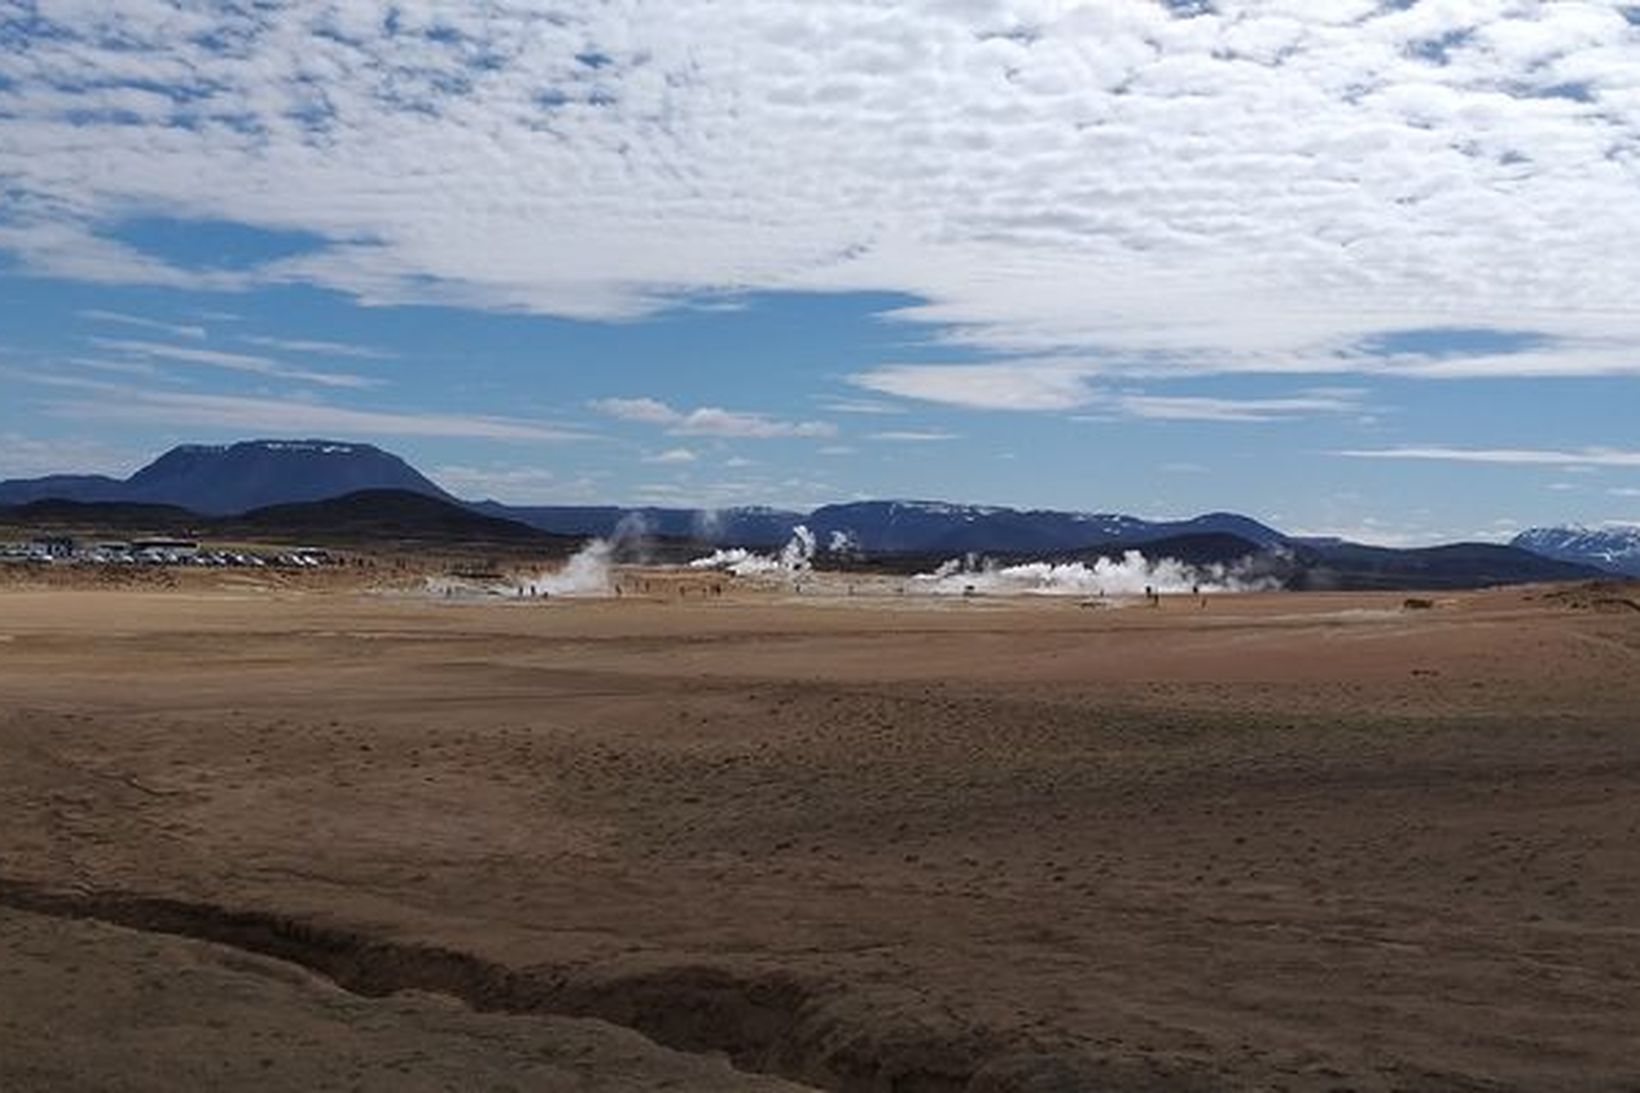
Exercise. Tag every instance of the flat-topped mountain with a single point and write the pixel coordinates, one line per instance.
(221, 479)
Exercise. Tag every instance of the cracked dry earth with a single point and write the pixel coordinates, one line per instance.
(332, 841)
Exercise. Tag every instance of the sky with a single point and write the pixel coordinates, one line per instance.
(1355, 267)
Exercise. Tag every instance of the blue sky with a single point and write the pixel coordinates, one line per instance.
(1364, 270)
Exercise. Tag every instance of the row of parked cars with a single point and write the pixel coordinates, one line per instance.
(62, 550)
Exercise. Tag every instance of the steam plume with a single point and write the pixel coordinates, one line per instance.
(588, 573)
(796, 557)
(1131, 575)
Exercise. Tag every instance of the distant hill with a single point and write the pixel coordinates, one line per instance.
(385, 514)
(1324, 566)
(60, 487)
(222, 479)
(1213, 548)
(368, 516)
(110, 516)
(1612, 549)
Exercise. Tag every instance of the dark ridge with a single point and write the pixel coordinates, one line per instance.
(386, 514)
(113, 515)
(771, 1023)
(367, 517)
(1203, 549)
(1353, 567)
(75, 487)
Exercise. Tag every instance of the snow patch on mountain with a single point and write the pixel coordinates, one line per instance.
(1613, 547)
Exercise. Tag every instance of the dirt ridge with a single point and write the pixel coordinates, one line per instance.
(769, 1023)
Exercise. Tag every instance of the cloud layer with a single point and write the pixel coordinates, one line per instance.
(1131, 186)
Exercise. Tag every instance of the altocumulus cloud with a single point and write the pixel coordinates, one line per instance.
(1152, 186)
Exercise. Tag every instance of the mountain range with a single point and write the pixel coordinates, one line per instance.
(888, 527)
(314, 486)
(1614, 549)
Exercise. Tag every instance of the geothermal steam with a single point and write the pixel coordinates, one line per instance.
(796, 557)
(588, 573)
(1131, 575)
(591, 571)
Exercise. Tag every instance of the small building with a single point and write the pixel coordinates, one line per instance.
(164, 550)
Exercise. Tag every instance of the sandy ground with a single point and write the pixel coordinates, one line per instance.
(1286, 842)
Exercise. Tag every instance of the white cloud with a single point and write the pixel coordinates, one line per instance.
(23, 456)
(860, 406)
(712, 421)
(709, 420)
(673, 456)
(508, 484)
(177, 330)
(1189, 408)
(234, 362)
(789, 493)
(912, 436)
(647, 410)
(1531, 457)
(1373, 532)
(319, 348)
(1010, 386)
(1069, 384)
(1260, 187)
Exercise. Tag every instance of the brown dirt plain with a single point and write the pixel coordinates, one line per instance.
(268, 835)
